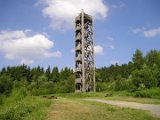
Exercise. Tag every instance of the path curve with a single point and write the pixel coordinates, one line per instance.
(153, 108)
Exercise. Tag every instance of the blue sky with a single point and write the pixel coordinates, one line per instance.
(41, 32)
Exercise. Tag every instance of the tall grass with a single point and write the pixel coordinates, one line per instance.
(20, 106)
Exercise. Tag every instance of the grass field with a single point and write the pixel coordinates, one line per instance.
(115, 96)
(76, 109)
(71, 106)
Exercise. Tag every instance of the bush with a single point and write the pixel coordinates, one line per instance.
(19, 94)
(101, 86)
(142, 94)
(2, 97)
(152, 92)
(1, 101)
(144, 77)
(40, 91)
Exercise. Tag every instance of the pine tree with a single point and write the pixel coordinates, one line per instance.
(48, 73)
(55, 76)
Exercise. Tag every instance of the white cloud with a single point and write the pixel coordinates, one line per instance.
(56, 54)
(152, 32)
(137, 30)
(26, 61)
(112, 47)
(63, 12)
(147, 33)
(120, 5)
(110, 38)
(114, 62)
(98, 49)
(110, 43)
(18, 45)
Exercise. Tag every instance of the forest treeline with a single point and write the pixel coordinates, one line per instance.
(142, 72)
(36, 81)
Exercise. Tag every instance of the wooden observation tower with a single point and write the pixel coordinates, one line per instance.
(84, 53)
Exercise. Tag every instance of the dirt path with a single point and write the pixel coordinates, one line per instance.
(154, 109)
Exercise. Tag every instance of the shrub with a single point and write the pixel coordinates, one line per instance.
(101, 86)
(152, 92)
(19, 94)
(2, 99)
(143, 94)
(143, 76)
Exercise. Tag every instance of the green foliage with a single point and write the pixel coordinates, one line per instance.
(143, 94)
(55, 76)
(138, 59)
(101, 86)
(156, 73)
(65, 86)
(152, 58)
(5, 84)
(48, 73)
(143, 72)
(36, 81)
(148, 93)
(16, 112)
(27, 108)
(2, 98)
(143, 76)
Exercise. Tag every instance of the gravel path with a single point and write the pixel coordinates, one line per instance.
(153, 108)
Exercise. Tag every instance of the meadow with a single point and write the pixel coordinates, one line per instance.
(72, 106)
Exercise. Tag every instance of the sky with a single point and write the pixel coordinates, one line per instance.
(41, 32)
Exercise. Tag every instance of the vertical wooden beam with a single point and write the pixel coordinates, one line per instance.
(94, 81)
(83, 64)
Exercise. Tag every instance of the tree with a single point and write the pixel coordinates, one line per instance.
(138, 59)
(153, 57)
(3, 71)
(55, 76)
(6, 84)
(65, 73)
(70, 84)
(143, 76)
(156, 74)
(48, 73)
